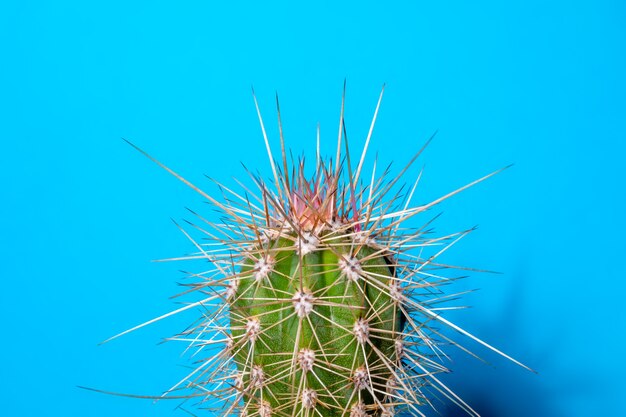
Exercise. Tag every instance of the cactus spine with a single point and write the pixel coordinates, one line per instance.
(320, 301)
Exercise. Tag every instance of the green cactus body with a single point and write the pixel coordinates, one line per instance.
(309, 323)
(320, 299)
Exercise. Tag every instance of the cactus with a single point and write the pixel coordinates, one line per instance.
(320, 300)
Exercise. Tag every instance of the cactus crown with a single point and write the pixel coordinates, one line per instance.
(320, 299)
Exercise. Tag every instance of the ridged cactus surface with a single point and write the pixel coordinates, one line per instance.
(311, 318)
(320, 297)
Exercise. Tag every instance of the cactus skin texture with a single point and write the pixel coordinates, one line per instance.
(324, 323)
(320, 300)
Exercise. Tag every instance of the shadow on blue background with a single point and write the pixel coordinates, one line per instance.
(538, 84)
(482, 387)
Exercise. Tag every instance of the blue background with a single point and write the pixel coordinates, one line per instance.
(539, 84)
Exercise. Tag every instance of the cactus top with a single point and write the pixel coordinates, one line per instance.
(321, 300)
